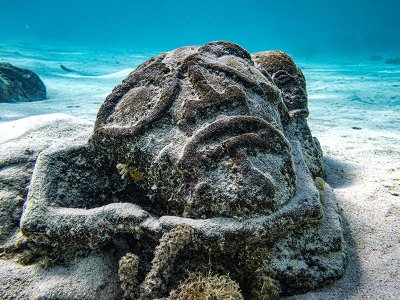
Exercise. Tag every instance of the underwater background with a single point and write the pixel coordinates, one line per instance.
(349, 52)
(304, 28)
(341, 46)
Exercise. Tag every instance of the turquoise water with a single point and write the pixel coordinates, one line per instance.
(103, 41)
(307, 28)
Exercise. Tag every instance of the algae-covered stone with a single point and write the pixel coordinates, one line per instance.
(320, 183)
(19, 150)
(314, 254)
(201, 160)
(264, 288)
(165, 256)
(205, 131)
(128, 273)
(290, 80)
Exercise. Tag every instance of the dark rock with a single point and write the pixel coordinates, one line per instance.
(393, 61)
(375, 58)
(20, 85)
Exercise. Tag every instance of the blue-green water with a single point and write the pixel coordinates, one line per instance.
(354, 100)
(307, 27)
(332, 42)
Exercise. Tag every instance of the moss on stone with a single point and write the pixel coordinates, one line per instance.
(254, 257)
(212, 287)
(320, 183)
(264, 288)
(128, 271)
(321, 197)
(26, 257)
(165, 254)
(26, 252)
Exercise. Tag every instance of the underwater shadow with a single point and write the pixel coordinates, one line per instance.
(350, 282)
(339, 174)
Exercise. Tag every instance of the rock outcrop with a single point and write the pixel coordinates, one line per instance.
(393, 61)
(20, 85)
(201, 162)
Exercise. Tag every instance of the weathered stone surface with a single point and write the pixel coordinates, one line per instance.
(217, 165)
(291, 82)
(314, 254)
(20, 144)
(90, 278)
(20, 85)
(204, 127)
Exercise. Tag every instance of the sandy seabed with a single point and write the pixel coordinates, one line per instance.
(354, 112)
(364, 170)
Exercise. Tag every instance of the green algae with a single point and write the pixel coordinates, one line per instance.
(320, 183)
(211, 286)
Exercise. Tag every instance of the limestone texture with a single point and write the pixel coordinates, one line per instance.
(200, 162)
(20, 85)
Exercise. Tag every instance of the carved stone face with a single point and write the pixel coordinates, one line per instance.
(287, 77)
(202, 125)
(204, 132)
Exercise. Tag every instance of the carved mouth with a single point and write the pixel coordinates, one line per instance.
(230, 134)
(297, 95)
(247, 182)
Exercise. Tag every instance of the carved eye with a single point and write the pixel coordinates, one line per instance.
(298, 92)
(281, 77)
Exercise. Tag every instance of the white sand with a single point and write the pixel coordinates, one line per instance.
(364, 168)
(355, 113)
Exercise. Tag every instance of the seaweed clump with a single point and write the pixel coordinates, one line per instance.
(211, 287)
(264, 288)
(171, 244)
(128, 271)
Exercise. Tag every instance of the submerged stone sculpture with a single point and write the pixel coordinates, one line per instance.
(291, 82)
(217, 166)
(20, 85)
